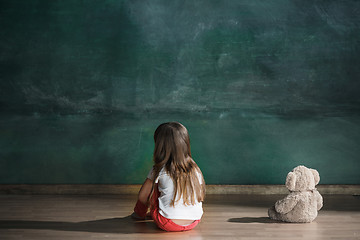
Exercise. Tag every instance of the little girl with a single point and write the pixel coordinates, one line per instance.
(175, 186)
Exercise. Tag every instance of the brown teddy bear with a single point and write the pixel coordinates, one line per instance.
(303, 202)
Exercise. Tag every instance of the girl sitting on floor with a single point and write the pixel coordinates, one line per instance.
(175, 187)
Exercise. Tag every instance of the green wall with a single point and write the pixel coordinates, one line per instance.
(262, 86)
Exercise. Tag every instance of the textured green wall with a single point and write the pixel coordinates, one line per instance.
(262, 86)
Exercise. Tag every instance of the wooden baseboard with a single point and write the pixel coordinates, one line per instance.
(90, 189)
(278, 189)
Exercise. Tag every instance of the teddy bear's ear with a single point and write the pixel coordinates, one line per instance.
(316, 176)
(291, 181)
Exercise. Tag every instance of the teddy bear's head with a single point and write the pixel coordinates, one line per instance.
(302, 178)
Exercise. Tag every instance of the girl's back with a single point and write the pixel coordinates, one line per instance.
(180, 210)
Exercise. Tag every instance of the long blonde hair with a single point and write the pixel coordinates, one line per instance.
(172, 152)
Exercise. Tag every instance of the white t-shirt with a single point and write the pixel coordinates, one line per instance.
(179, 211)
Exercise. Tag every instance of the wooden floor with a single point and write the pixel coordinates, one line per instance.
(226, 217)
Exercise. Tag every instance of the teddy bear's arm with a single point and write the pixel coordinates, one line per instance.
(319, 199)
(285, 205)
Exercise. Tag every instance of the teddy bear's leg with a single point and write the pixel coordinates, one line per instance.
(273, 214)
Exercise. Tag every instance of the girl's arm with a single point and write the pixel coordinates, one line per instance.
(145, 191)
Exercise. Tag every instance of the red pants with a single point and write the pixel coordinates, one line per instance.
(161, 221)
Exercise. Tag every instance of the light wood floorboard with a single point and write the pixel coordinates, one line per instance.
(226, 217)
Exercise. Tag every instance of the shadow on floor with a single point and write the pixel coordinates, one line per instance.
(253, 220)
(125, 225)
